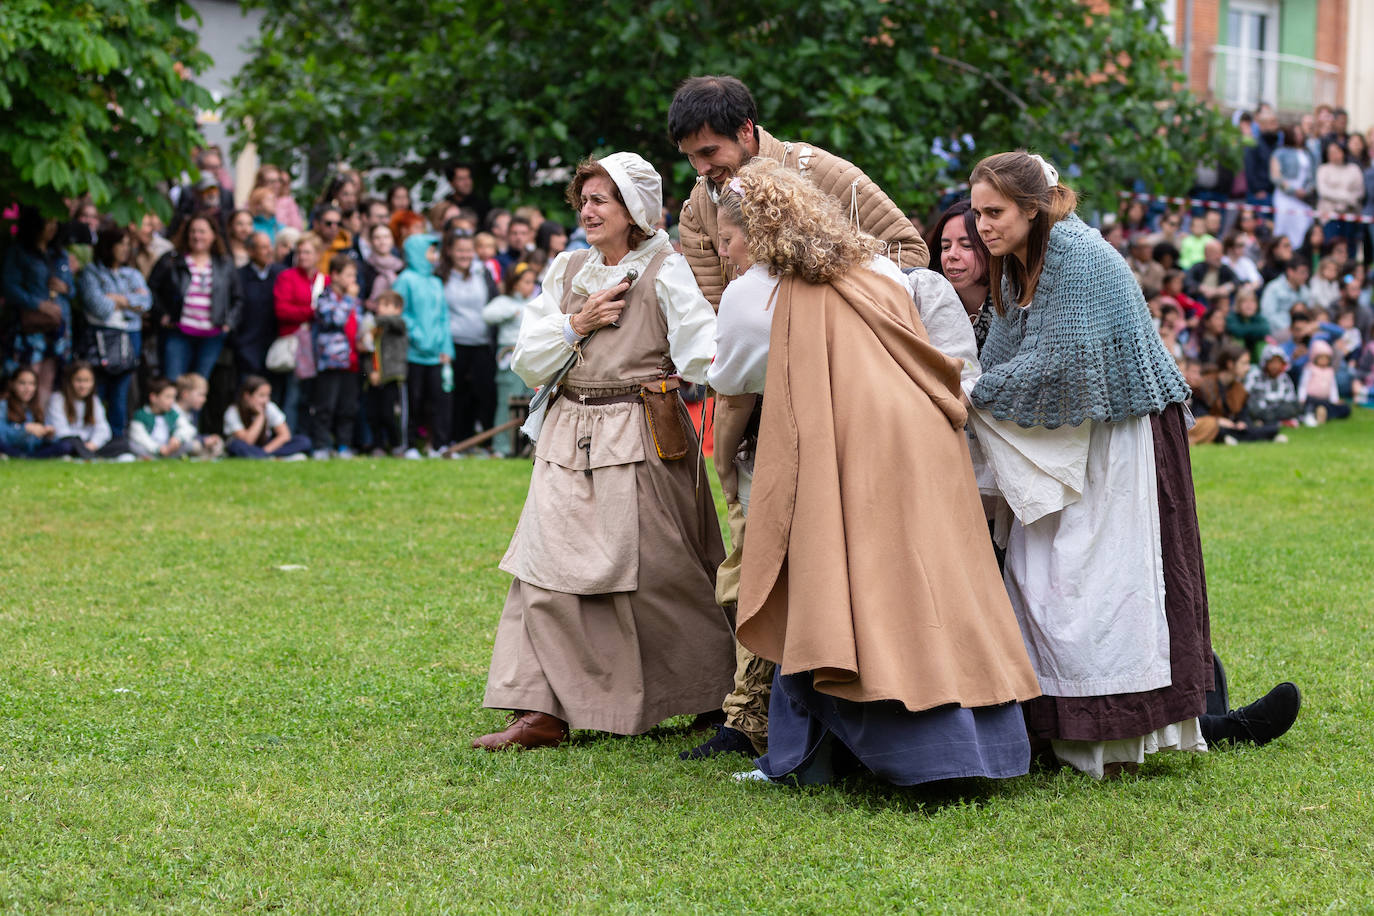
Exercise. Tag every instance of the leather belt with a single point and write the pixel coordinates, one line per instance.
(597, 400)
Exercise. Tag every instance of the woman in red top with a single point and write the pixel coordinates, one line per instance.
(294, 301)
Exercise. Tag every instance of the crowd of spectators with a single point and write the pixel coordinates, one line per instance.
(360, 324)
(1260, 285)
(373, 324)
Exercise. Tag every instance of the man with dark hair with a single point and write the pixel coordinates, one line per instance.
(519, 243)
(1282, 293)
(713, 120)
(464, 192)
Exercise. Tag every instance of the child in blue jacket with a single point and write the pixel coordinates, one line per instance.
(431, 348)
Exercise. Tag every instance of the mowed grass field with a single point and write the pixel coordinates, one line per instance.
(187, 726)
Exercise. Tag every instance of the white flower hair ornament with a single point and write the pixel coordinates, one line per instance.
(736, 185)
(1051, 173)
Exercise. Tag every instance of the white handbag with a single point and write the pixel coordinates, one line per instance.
(281, 356)
(285, 350)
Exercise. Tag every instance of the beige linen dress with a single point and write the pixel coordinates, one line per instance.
(611, 623)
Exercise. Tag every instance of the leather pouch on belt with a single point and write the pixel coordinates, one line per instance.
(664, 414)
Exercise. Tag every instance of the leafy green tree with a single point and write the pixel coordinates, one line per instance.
(97, 98)
(516, 88)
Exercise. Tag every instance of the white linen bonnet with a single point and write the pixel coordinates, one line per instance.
(640, 185)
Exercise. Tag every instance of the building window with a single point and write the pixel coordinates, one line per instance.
(1252, 67)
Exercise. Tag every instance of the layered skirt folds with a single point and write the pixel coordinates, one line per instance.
(814, 737)
(1141, 714)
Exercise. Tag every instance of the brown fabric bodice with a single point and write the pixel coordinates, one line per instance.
(617, 359)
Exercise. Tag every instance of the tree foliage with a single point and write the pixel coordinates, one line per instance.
(515, 87)
(98, 99)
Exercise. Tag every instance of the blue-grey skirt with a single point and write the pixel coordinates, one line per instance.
(814, 737)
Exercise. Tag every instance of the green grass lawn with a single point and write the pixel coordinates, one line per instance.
(185, 726)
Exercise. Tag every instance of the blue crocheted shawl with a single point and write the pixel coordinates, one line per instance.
(1084, 349)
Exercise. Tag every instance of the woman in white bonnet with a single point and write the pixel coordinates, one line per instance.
(611, 622)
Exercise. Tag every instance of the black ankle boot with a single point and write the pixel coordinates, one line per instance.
(1259, 723)
(726, 740)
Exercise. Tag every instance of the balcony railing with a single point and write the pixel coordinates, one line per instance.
(1242, 78)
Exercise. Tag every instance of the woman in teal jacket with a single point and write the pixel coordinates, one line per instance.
(428, 376)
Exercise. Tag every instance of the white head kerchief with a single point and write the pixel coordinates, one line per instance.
(640, 186)
(1051, 173)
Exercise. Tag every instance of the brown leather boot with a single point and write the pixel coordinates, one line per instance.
(526, 731)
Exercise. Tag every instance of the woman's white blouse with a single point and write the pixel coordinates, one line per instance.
(546, 336)
(746, 317)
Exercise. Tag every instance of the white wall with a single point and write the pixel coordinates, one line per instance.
(224, 30)
(1359, 65)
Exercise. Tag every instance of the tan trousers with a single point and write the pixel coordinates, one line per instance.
(746, 707)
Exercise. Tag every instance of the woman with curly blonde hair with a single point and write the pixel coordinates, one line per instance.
(867, 575)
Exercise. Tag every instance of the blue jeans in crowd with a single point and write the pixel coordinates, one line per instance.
(287, 393)
(237, 448)
(113, 391)
(182, 353)
(55, 448)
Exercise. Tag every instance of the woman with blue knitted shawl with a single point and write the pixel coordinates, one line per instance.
(1079, 417)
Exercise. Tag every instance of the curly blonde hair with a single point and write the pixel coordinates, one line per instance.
(793, 227)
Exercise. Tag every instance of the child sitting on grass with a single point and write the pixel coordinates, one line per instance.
(1317, 387)
(1273, 398)
(1172, 328)
(192, 390)
(76, 414)
(386, 377)
(256, 428)
(159, 430)
(1364, 373)
(1173, 292)
(1349, 347)
(1224, 397)
(1193, 245)
(1246, 324)
(21, 435)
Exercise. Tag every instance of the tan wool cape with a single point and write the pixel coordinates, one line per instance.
(868, 560)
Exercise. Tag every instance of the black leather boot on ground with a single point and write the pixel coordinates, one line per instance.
(724, 741)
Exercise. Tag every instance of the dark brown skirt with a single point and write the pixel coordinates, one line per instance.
(1129, 715)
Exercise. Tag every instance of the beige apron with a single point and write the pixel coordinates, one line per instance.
(579, 530)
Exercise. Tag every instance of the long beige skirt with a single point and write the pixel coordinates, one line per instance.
(623, 661)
